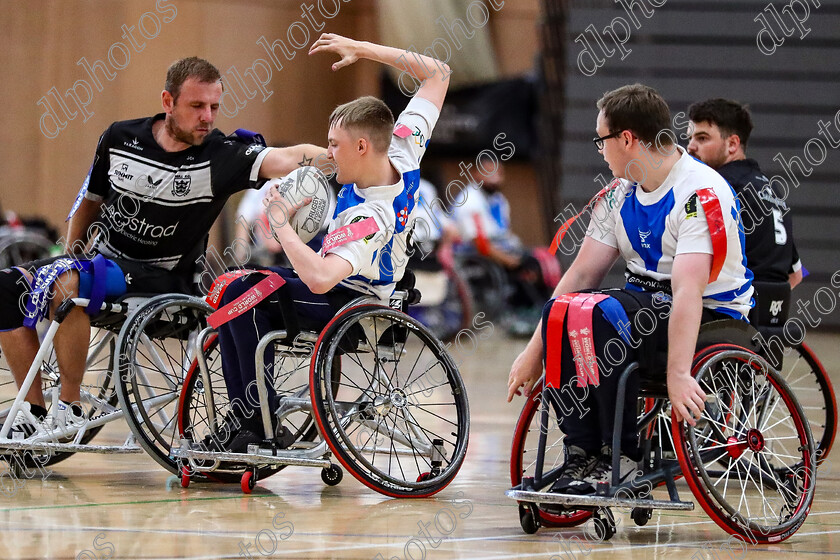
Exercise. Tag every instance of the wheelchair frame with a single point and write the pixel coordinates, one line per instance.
(310, 453)
(105, 411)
(579, 508)
(42, 440)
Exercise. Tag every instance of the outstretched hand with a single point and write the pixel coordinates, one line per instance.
(347, 49)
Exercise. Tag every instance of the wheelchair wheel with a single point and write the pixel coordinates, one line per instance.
(523, 457)
(18, 247)
(753, 424)
(291, 379)
(97, 390)
(154, 355)
(399, 420)
(805, 375)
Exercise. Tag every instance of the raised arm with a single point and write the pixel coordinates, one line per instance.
(433, 73)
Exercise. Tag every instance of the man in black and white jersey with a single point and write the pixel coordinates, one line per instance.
(721, 129)
(154, 189)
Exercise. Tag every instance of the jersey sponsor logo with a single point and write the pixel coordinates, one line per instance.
(137, 229)
(403, 215)
(691, 207)
(419, 139)
(148, 182)
(134, 144)
(122, 173)
(643, 235)
(255, 148)
(181, 184)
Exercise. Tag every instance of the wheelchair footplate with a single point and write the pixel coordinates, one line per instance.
(256, 455)
(198, 462)
(594, 501)
(531, 502)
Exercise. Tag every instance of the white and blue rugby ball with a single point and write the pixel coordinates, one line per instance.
(302, 183)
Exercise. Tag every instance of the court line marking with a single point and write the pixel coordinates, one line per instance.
(512, 538)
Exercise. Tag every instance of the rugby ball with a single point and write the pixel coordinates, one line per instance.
(302, 183)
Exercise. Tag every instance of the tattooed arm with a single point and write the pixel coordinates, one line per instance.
(281, 161)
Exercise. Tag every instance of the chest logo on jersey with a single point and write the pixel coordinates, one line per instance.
(148, 182)
(134, 145)
(643, 235)
(122, 173)
(181, 184)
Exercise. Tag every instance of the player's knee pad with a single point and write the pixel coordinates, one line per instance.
(14, 290)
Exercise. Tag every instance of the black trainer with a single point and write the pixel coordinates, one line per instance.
(221, 438)
(241, 441)
(576, 467)
(602, 471)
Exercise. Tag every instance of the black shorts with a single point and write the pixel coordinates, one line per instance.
(140, 279)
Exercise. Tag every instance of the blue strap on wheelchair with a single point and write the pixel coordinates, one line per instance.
(250, 137)
(98, 279)
(615, 315)
(39, 296)
(98, 286)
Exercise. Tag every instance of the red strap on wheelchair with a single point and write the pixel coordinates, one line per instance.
(220, 284)
(717, 228)
(481, 243)
(558, 237)
(554, 340)
(246, 301)
(580, 329)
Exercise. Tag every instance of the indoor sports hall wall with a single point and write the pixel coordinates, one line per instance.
(41, 52)
(790, 86)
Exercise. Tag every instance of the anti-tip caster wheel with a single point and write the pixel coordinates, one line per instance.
(185, 477)
(641, 516)
(249, 480)
(604, 524)
(529, 518)
(332, 475)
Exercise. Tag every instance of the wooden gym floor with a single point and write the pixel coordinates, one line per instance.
(96, 507)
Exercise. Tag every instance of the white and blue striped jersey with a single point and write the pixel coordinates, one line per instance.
(650, 228)
(475, 208)
(379, 260)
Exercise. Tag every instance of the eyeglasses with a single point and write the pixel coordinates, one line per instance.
(599, 142)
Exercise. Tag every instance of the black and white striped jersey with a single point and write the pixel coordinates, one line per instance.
(158, 206)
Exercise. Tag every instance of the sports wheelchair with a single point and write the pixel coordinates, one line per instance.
(151, 332)
(749, 461)
(447, 303)
(375, 388)
(796, 362)
(20, 244)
